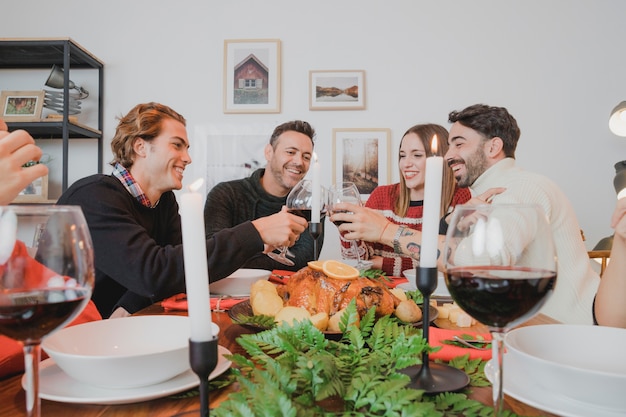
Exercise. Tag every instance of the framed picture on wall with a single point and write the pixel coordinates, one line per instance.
(21, 106)
(337, 90)
(35, 192)
(252, 76)
(361, 156)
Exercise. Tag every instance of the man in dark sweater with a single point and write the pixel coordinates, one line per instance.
(264, 193)
(134, 222)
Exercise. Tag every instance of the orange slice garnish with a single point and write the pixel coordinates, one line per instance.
(316, 265)
(339, 270)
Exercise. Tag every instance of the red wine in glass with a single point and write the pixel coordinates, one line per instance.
(30, 315)
(500, 297)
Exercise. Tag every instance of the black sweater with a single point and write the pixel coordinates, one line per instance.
(139, 251)
(234, 202)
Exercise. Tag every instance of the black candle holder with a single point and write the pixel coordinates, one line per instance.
(203, 360)
(316, 230)
(432, 377)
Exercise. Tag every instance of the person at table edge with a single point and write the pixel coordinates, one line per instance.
(134, 221)
(482, 142)
(609, 306)
(264, 193)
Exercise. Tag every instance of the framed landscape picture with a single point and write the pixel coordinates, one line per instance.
(252, 76)
(361, 156)
(21, 106)
(337, 90)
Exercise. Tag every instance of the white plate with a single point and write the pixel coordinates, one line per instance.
(56, 385)
(520, 387)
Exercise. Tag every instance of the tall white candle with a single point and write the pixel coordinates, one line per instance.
(195, 257)
(316, 192)
(432, 207)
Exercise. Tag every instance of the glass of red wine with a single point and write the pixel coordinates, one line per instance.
(46, 278)
(346, 192)
(300, 202)
(501, 268)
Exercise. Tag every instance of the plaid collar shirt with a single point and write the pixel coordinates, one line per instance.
(131, 185)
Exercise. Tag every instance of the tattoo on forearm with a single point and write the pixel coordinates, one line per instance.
(414, 250)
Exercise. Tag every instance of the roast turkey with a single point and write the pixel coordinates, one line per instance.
(313, 290)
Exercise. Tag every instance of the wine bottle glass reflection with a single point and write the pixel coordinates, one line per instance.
(45, 286)
(299, 202)
(500, 269)
(346, 192)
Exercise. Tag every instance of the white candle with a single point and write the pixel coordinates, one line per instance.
(195, 257)
(316, 191)
(432, 207)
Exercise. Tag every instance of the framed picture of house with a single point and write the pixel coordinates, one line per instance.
(337, 90)
(252, 76)
(21, 106)
(361, 156)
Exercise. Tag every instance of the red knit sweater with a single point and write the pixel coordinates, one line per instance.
(383, 199)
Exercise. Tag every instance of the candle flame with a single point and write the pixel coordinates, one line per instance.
(433, 145)
(195, 186)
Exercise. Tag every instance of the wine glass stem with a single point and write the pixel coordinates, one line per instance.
(355, 249)
(32, 356)
(497, 349)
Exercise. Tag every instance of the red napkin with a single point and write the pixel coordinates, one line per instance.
(395, 281)
(280, 276)
(448, 352)
(178, 302)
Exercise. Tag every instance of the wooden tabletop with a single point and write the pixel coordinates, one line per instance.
(12, 399)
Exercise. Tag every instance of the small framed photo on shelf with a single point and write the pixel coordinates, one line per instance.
(252, 76)
(21, 106)
(35, 192)
(362, 156)
(337, 90)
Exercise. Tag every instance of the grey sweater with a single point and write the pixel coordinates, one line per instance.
(233, 202)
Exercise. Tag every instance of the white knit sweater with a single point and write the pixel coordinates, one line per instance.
(577, 283)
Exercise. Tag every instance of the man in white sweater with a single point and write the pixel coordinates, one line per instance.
(482, 150)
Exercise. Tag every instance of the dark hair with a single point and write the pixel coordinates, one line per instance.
(425, 133)
(490, 122)
(299, 126)
(142, 121)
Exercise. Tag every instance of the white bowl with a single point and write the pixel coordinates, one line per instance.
(125, 352)
(440, 291)
(583, 363)
(239, 282)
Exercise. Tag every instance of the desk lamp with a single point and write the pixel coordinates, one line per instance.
(617, 120)
(56, 80)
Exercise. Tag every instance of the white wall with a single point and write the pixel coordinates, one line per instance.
(556, 65)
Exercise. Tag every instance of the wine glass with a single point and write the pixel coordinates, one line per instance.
(500, 268)
(300, 202)
(44, 286)
(345, 192)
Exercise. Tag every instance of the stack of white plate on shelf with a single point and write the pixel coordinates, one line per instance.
(53, 100)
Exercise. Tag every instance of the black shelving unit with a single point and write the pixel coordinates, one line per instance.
(29, 53)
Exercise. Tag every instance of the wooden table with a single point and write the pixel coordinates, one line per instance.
(12, 400)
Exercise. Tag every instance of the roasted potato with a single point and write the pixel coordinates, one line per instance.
(408, 311)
